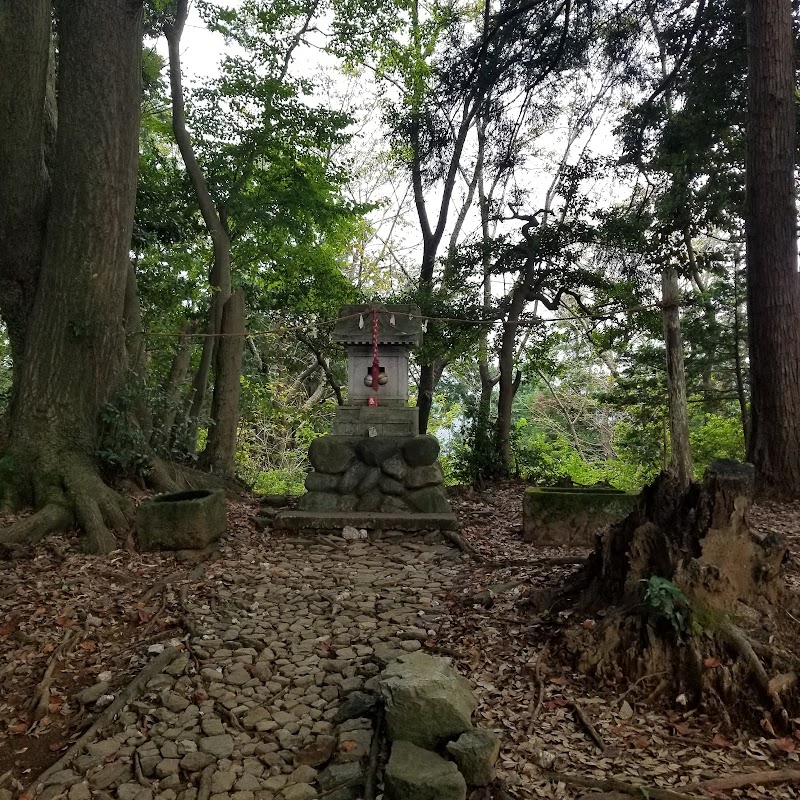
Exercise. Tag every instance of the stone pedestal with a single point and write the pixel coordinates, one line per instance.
(375, 421)
(373, 482)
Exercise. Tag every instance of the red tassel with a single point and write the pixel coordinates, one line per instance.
(376, 364)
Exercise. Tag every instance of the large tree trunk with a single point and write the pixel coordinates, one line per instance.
(25, 32)
(74, 357)
(773, 282)
(680, 462)
(220, 453)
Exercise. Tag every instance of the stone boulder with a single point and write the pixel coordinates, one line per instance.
(182, 520)
(421, 451)
(416, 774)
(427, 701)
(331, 454)
(475, 752)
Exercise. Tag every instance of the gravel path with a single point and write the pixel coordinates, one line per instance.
(282, 637)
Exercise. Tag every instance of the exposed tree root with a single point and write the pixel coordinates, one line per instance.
(682, 588)
(40, 701)
(131, 691)
(167, 476)
(766, 778)
(29, 530)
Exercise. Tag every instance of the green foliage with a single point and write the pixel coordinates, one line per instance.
(716, 437)
(124, 450)
(665, 601)
(280, 481)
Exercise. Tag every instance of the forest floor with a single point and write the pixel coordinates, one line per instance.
(275, 629)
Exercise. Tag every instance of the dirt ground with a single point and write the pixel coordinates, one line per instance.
(68, 620)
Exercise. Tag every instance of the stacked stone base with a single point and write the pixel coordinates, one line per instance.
(375, 473)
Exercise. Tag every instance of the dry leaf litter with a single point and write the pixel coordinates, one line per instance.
(277, 630)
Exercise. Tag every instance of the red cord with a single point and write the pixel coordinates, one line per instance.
(376, 365)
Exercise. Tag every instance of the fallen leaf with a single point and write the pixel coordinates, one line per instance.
(88, 645)
(64, 621)
(785, 745)
(17, 728)
(9, 627)
(680, 728)
(625, 710)
(720, 741)
(559, 681)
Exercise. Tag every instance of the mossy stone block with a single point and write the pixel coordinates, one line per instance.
(416, 774)
(418, 477)
(572, 516)
(182, 520)
(430, 500)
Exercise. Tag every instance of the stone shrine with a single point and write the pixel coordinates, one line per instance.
(374, 470)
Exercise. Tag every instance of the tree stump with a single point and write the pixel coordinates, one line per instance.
(680, 583)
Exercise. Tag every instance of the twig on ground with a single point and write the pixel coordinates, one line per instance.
(615, 785)
(539, 685)
(638, 681)
(204, 787)
(137, 771)
(768, 777)
(580, 715)
(371, 781)
(40, 701)
(155, 667)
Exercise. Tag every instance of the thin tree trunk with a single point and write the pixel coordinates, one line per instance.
(773, 282)
(680, 463)
(220, 275)
(136, 355)
(483, 434)
(737, 357)
(220, 453)
(162, 435)
(506, 388)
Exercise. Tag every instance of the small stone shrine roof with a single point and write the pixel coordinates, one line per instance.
(407, 328)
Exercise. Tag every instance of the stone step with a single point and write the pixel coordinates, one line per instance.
(371, 520)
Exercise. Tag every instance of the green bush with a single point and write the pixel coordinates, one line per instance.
(716, 437)
(279, 481)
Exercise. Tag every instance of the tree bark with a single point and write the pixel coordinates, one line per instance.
(220, 275)
(680, 463)
(737, 358)
(25, 33)
(773, 282)
(74, 357)
(220, 453)
(162, 435)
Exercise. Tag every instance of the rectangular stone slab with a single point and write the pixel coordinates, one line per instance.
(572, 516)
(374, 521)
